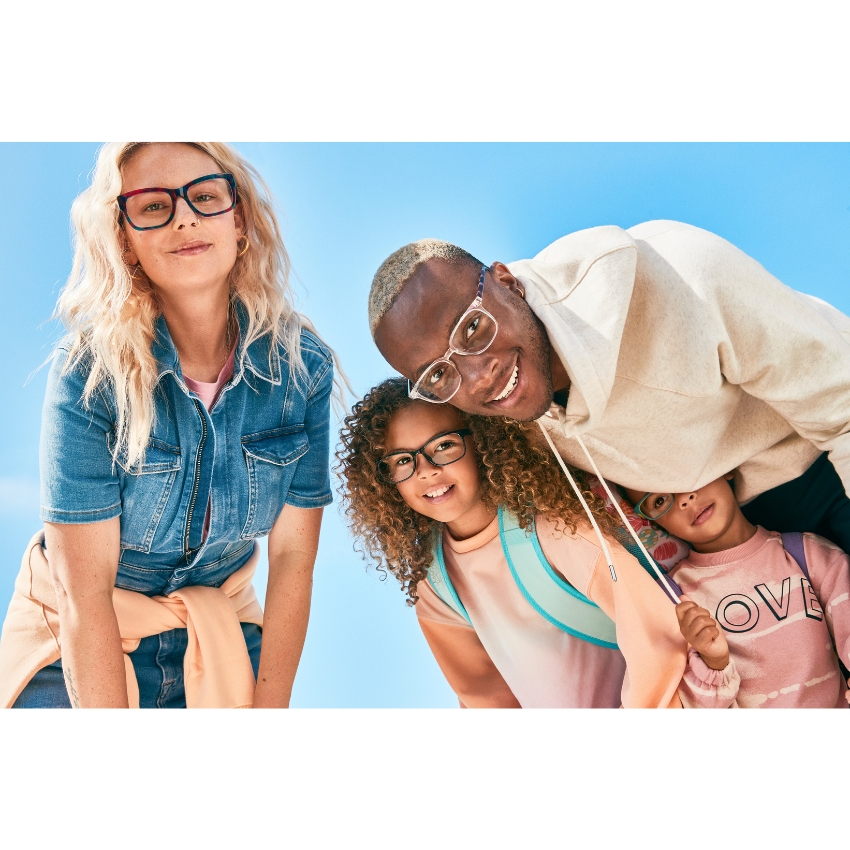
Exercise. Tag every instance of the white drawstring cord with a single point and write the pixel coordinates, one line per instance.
(581, 499)
(629, 528)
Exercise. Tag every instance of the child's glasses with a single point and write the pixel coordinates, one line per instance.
(654, 505)
(148, 209)
(440, 451)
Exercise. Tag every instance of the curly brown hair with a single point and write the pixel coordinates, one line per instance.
(517, 471)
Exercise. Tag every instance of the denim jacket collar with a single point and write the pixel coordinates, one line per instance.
(256, 357)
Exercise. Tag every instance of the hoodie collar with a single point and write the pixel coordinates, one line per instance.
(580, 287)
(257, 357)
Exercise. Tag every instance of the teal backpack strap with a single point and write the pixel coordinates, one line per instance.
(438, 578)
(552, 597)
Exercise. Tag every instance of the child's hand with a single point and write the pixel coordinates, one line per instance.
(701, 631)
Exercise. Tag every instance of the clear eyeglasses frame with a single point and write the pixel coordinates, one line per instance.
(654, 505)
(222, 198)
(396, 467)
(442, 379)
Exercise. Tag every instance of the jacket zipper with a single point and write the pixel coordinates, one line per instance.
(197, 476)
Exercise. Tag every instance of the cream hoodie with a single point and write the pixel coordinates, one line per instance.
(688, 359)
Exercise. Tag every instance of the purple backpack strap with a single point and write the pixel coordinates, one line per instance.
(673, 584)
(793, 543)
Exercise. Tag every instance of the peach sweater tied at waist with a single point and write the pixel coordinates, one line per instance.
(217, 667)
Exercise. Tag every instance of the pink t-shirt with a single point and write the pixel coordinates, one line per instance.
(208, 394)
(779, 626)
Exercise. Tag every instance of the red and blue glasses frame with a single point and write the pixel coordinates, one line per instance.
(179, 193)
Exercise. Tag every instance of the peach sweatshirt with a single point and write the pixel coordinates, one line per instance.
(511, 656)
(217, 666)
(779, 626)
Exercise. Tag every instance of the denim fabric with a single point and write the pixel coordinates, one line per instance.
(264, 444)
(158, 663)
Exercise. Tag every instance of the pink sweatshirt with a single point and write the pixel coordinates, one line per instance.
(511, 656)
(779, 626)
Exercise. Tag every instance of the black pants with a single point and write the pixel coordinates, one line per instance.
(814, 502)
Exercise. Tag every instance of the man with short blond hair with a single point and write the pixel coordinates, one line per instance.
(673, 356)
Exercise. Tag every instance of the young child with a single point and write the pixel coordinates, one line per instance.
(775, 616)
(507, 532)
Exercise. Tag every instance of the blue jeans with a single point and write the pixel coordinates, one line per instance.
(158, 663)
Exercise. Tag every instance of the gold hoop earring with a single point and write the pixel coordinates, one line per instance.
(521, 292)
(244, 251)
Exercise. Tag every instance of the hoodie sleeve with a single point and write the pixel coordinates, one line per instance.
(464, 662)
(647, 629)
(663, 671)
(703, 687)
(790, 350)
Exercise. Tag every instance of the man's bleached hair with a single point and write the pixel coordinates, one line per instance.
(110, 314)
(399, 267)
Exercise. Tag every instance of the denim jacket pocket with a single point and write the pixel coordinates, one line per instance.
(145, 488)
(271, 460)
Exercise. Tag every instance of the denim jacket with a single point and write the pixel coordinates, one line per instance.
(264, 444)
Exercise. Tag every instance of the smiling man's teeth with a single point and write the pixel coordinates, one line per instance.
(434, 493)
(511, 384)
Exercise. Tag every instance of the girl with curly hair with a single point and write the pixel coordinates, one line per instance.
(511, 583)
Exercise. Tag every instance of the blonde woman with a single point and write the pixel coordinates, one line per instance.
(186, 415)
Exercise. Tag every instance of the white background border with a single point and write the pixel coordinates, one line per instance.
(426, 72)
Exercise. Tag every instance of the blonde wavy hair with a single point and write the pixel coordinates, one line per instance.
(516, 469)
(110, 314)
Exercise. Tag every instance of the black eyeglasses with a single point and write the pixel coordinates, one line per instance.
(148, 209)
(440, 450)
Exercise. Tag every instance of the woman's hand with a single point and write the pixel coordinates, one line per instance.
(83, 562)
(701, 631)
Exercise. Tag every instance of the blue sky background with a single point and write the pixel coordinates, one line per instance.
(344, 207)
